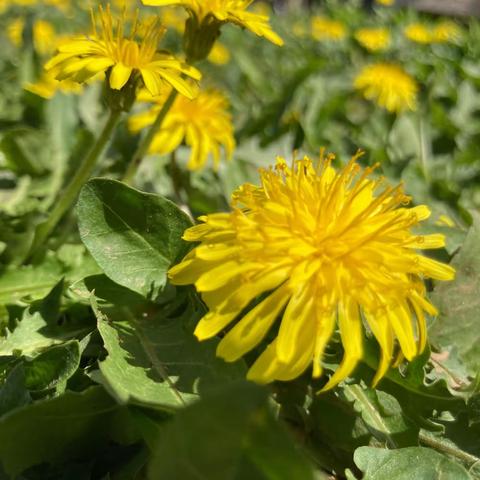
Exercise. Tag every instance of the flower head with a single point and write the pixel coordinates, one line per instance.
(325, 29)
(109, 50)
(43, 35)
(446, 31)
(418, 33)
(385, 3)
(388, 85)
(313, 248)
(208, 15)
(204, 123)
(373, 39)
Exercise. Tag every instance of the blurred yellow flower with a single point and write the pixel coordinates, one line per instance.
(204, 123)
(389, 86)
(122, 57)
(43, 33)
(419, 33)
(446, 31)
(47, 86)
(219, 54)
(325, 29)
(173, 18)
(385, 3)
(373, 39)
(318, 248)
(210, 12)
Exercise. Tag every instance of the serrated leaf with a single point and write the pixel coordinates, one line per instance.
(133, 236)
(52, 367)
(459, 302)
(383, 416)
(154, 360)
(407, 464)
(31, 282)
(37, 330)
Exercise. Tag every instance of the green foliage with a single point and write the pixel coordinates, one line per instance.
(240, 439)
(101, 376)
(407, 463)
(155, 360)
(458, 302)
(134, 237)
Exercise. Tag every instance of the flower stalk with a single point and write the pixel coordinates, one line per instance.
(70, 194)
(146, 141)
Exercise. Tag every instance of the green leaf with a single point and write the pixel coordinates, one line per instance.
(37, 330)
(20, 147)
(154, 360)
(68, 426)
(407, 464)
(31, 282)
(13, 393)
(134, 237)
(383, 416)
(226, 435)
(459, 301)
(53, 366)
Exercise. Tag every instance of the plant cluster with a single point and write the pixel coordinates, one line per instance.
(236, 244)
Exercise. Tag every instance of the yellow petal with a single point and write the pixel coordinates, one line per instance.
(253, 327)
(119, 76)
(351, 332)
(300, 309)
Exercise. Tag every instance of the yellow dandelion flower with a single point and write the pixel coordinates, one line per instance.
(47, 86)
(418, 33)
(174, 19)
(325, 29)
(389, 86)
(219, 54)
(385, 3)
(122, 57)
(204, 123)
(43, 33)
(208, 15)
(321, 248)
(446, 31)
(373, 39)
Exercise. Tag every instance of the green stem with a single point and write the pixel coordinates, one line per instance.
(175, 176)
(431, 441)
(69, 195)
(145, 143)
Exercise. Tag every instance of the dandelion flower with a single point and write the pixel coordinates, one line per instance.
(418, 33)
(122, 57)
(326, 29)
(446, 31)
(43, 34)
(373, 39)
(313, 248)
(389, 86)
(385, 3)
(217, 12)
(204, 123)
